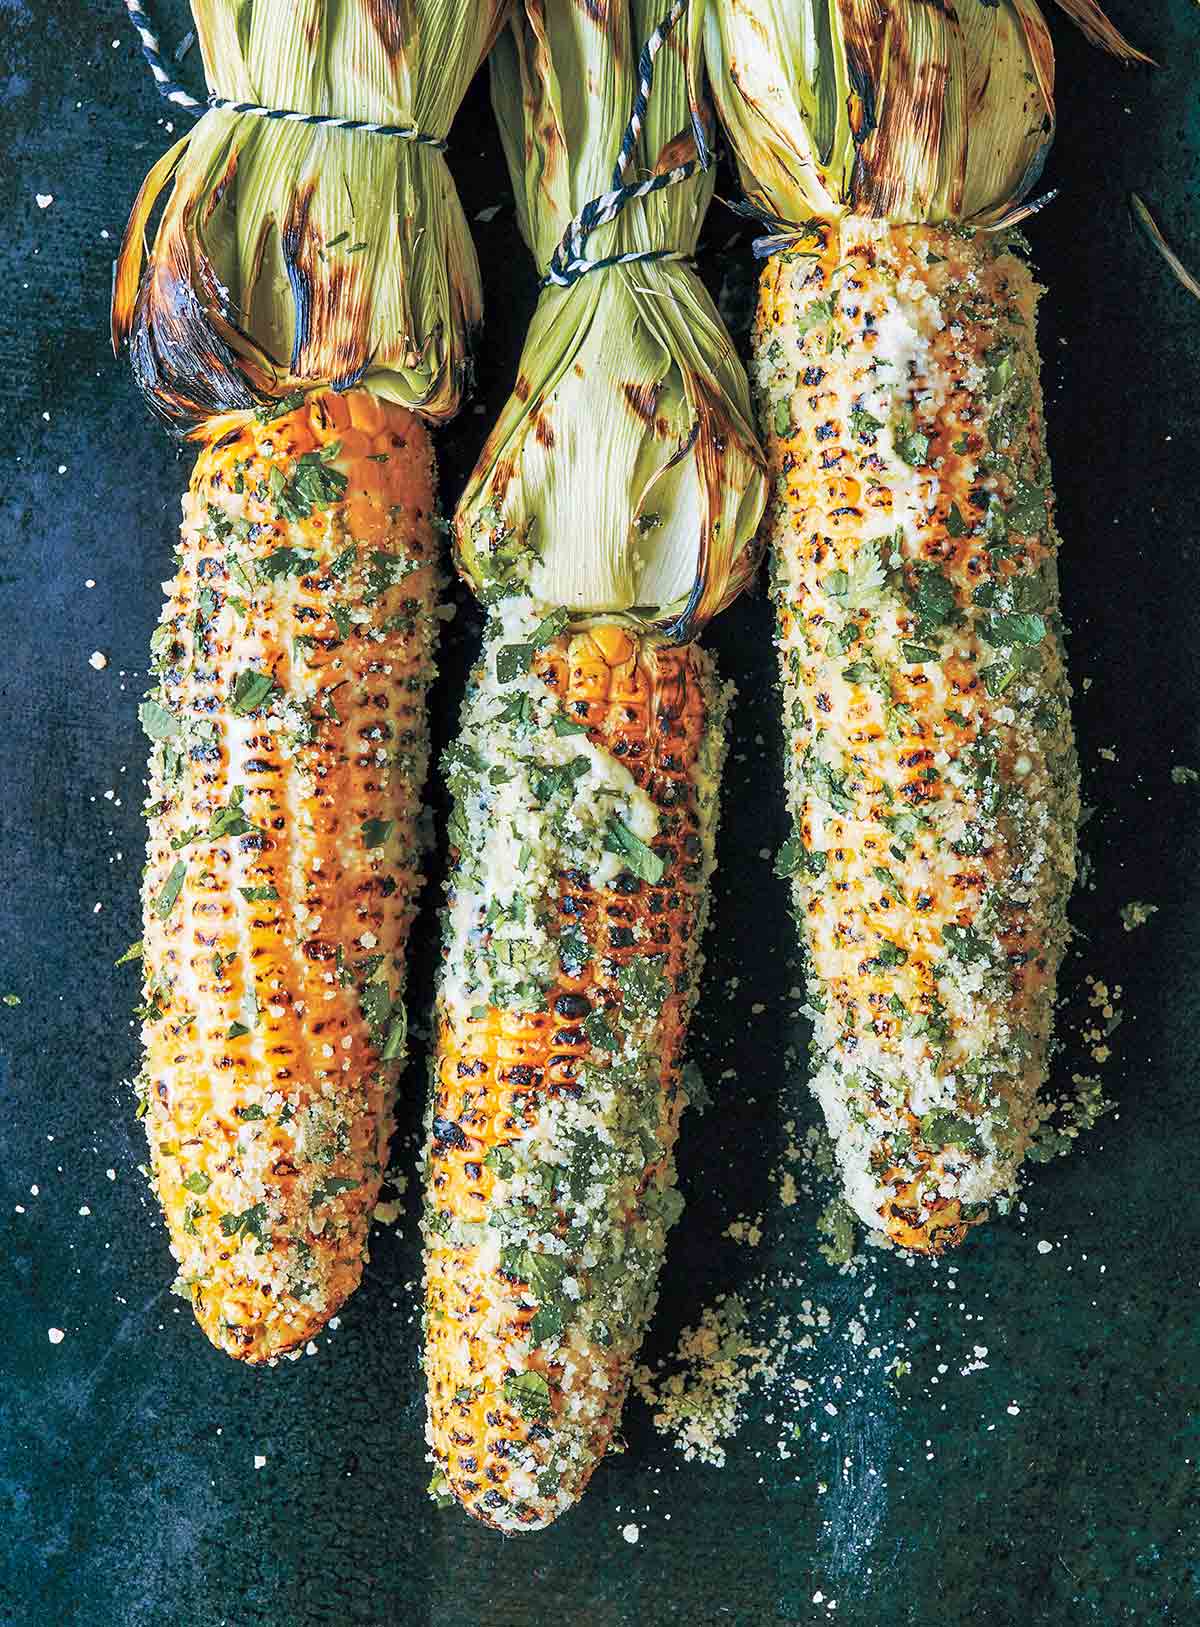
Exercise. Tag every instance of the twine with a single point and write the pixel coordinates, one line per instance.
(175, 93)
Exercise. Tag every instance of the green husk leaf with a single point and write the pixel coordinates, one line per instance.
(289, 255)
(633, 359)
(905, 113)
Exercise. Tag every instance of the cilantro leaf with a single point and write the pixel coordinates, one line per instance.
(640, 859)
(644, 988)
(251, 1222)
(284, 562)
(529, 1394)
(513, 661)
(250, 690)
(157, 722)
(171, 888)
(910, 443)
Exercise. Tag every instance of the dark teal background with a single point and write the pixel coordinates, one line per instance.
(127, 1488)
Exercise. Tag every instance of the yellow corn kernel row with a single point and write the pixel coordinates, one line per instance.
(550, 1179)
(932, 773)
(292, 660)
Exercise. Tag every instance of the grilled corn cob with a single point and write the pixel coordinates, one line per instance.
(932, 775)
(571, 971)
(310, 287)
(586, 773)
(931, 769)
(293, 656)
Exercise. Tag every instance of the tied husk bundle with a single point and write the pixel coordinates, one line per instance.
(291, 256)
(914, 114)
(623, 475)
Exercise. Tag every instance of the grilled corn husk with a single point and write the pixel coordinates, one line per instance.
(633, 359)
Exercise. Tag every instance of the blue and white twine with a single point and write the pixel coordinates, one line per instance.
(569, 261)
(175, 93)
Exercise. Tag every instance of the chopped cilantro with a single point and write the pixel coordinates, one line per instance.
(345, 562)
(600, 1034)
(547, 782)
(1014, 627)
(910, 443)
(643, 987)
(574, 951)
(250, 689)
(278, 408)
(529, 1394)
(513, 661)
(284, 562)
(640, 859)
(965, 944)
(795, 859)
(862, 425)
(376, 831)
(931, 597)
(941, 1127)
(313, 485)
(916, 653)
(171, 888)
(250, 1223)
(332, 1187)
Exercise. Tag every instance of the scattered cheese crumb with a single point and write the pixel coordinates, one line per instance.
(55, 1336)
(43, 199)
(98, 660)
(1044, 1247)
(260, 1462)
(631, 1533)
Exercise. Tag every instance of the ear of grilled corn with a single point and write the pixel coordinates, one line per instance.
(292, 263)
(585, 782)
(931, 775)
(292, 660)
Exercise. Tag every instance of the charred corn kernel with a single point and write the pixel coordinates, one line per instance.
(932, 773)
(585, 783)
(292, 660)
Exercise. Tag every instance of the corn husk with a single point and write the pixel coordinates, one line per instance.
(291, 255)
(927, 115)
(623, 475)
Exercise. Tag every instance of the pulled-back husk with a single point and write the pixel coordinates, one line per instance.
(623, 475)
(916, 114)
(291, 255)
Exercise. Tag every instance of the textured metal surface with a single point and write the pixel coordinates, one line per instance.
(128, 1490)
